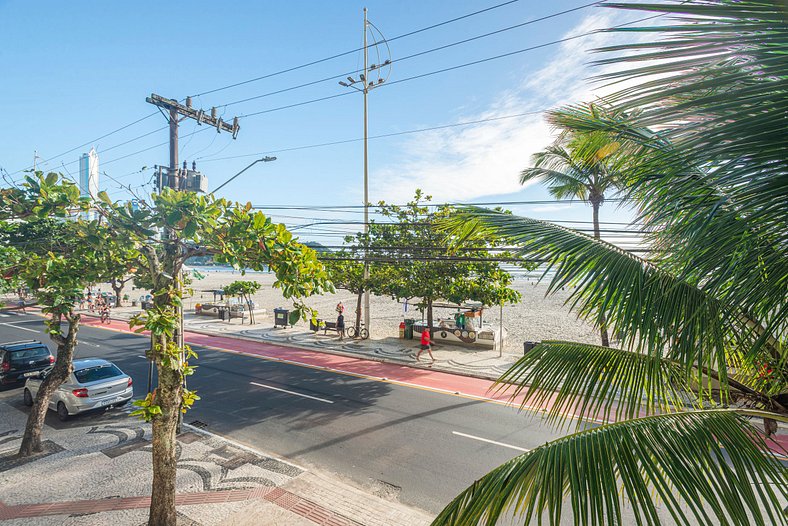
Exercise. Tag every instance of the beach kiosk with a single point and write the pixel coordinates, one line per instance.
(462, 324)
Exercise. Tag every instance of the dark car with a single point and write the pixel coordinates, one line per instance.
(21, 360)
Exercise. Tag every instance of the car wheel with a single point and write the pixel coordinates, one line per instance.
(28, 398)
(62, 411)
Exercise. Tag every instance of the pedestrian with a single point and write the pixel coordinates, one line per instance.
(341, 325)
(22, 304)
(426, 344)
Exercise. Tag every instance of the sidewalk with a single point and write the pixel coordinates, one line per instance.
(453, 359)
(96, 470)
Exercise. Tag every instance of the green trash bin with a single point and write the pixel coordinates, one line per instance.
(409, 328)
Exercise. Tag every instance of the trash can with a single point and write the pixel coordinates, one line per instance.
(281, 317)
(409, 328)
(527, 346)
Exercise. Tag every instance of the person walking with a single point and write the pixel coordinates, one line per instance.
(426, 344)
(341, 325)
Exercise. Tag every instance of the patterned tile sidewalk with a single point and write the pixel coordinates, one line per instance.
(96, 470)
(284, 499)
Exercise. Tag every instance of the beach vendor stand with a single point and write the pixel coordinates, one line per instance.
(464, 325)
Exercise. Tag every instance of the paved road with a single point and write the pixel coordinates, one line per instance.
(378, 434)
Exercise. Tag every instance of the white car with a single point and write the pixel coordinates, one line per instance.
(94, 384)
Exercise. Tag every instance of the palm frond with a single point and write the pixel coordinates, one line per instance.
(709, 467)
(649, 307)
(593, 382)
(728, 247)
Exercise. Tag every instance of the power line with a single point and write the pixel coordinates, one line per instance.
(453, 68)
(414, 55)
(90, 142)
(380, 136)
(415, 77)
(356, 50)
(430, 204)
(287, 70)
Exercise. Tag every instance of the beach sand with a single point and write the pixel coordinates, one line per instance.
(535, 318)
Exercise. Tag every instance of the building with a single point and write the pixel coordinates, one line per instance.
(89, 174)
(89, 179)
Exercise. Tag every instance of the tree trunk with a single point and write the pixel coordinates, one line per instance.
(117, 286)
(602, 320)
(429, 317)
(31, 440)
(168, 397)
(358, 312)
(250, 304)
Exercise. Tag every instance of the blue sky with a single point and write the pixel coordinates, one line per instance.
(74, 71)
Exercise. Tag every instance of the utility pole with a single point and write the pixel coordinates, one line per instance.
(178, 112)
(367, 84)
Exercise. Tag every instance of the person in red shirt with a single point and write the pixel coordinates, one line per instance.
(426, 344)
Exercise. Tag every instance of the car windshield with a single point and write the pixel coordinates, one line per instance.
(93, 374)
(26, 355)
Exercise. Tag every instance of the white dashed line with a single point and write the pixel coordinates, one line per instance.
(292, 393)
(16, 327)
(491, 441)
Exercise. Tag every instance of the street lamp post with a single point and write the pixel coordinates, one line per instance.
(366, 84)
(261, 160)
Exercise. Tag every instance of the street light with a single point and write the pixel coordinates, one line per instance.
(265, 159)
(366, 86)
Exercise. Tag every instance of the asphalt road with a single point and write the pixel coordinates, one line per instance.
(425, 445)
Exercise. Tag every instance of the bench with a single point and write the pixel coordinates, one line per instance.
(324, 326)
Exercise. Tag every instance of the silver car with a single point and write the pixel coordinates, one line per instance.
(94, 384)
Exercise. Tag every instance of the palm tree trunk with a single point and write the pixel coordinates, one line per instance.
(602, 320)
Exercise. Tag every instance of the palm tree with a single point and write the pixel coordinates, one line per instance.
(579, 165)
(704, 318)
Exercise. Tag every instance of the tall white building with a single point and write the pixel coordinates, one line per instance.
(89, 174)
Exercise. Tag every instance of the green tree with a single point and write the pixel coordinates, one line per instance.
(416, 262)
(581, 165)
(180, 225)
(52, 256)
(244, 290)
(703, 318)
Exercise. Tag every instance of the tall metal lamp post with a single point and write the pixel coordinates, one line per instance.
(365, 84)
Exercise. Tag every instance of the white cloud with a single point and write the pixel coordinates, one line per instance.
(463, 163)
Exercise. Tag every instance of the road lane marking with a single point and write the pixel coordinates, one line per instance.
(20, 328)
(490, 441)
(292, 392)
(143, 357)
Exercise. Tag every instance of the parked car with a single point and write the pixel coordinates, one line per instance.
(23, 359)
(94, 384)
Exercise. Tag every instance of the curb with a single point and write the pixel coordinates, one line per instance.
(344, 354)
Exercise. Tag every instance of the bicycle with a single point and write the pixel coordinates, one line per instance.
(352, 331)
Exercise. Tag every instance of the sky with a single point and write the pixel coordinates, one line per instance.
(76, 71)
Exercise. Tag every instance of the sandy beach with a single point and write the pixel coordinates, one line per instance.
(535, 318)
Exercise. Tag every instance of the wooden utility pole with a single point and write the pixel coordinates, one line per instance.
(177, 112)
